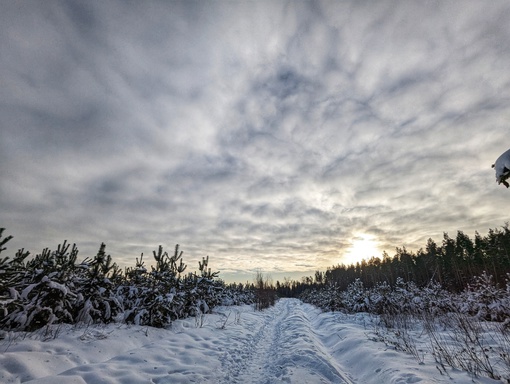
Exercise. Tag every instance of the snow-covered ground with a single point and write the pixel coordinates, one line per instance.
(291, 342)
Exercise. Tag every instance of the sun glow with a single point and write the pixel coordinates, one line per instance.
(363, 246)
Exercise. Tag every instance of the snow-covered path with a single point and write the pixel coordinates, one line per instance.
(291, 342)
(284, 348)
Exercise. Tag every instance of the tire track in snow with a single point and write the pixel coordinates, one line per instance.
(263, 367)
(251, 362)
(308, 359)
(283, 349)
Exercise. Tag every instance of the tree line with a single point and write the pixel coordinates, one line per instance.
(454, 264)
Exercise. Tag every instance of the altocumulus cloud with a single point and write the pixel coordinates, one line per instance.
(266, 134)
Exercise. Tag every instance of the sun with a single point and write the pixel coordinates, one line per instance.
(363, 246)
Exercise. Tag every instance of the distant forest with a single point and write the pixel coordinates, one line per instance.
(454, 264)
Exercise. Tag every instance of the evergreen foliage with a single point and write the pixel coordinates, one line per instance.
(52, 287)
(483, 300)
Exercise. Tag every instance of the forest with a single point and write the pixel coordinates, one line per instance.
(453, 264)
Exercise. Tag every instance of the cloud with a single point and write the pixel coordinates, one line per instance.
(267, 135)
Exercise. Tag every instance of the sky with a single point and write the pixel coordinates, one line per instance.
(275, 136)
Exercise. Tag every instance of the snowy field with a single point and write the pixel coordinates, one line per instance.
(291, 342)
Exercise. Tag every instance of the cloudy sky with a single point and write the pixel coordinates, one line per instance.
(275, 135)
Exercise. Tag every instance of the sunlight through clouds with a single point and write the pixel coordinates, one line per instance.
(362, 246)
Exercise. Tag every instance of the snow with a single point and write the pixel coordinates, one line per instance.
(292, 342)
(502, 167)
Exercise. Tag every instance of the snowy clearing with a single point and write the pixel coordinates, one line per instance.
(291, 342)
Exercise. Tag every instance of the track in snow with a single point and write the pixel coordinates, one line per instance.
(282, 347)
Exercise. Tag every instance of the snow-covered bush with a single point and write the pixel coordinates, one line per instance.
(330, 298)
(486, 301)
(53, 288)
(236, 294)
(97, 299)
(44, 292)
(152, 298)
(382, 299)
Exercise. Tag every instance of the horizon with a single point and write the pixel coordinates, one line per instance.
(241, 277)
